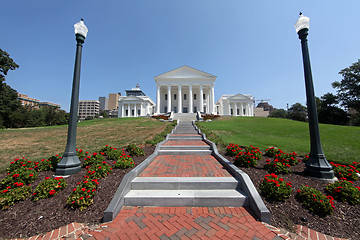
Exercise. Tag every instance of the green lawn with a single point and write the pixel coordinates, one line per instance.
(340, 143)
(43, 142)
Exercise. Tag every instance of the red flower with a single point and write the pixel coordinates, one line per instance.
(30, 175)
(52, 192)
(83, 189)
(15, 175)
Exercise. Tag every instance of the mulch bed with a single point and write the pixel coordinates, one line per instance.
(28, 218)
(343, 223)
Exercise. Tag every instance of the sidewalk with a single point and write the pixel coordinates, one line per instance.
(179, 161)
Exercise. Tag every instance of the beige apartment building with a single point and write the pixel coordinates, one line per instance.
(88, 108)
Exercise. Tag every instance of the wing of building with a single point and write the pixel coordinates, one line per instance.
(235, 105)
(135, 104)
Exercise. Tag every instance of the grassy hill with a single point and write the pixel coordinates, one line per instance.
(340, 143)
(43, 142)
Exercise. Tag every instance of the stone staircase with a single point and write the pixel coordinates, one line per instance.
(187, 186)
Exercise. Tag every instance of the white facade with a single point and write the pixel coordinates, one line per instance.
(135, 106)
(235, 105)
(185, 90)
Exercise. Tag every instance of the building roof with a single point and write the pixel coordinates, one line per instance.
(185, 72)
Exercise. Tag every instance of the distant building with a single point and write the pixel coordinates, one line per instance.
(88, 108)
(27, 101)
(263, 109)
(34, 103)
(103, 103)
(235, 105)
(135, 104)
(113, 101)
(49, 104)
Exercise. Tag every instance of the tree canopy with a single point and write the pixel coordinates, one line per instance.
(6, 64)
(348, 89)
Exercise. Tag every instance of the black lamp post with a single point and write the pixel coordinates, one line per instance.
(317, 165)
(70, 163)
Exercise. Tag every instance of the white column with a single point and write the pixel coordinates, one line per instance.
(212, 103)
(190, 99)
(135, 110)
(236, 106)
(229, 108)
(180, 97)
(169, 98)
(241, 109)
(158, 100)
(201, 98)
(128, 108)
(122, 109)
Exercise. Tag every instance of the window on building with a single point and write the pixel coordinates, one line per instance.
(194, 96)
(165, 109)
(231, 111)
(139, 112)
(237, 111)
(195, 109)
(204, 96)
(244, 111)
(174, 96)
(132, 112)
(184, 96)
(165, 96)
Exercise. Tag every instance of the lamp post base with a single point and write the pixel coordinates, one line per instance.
(68, 165)
(318, 167)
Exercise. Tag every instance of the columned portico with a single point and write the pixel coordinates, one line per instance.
(191, 89)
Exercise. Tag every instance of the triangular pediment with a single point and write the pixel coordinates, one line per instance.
(185, 72)
(240, 97)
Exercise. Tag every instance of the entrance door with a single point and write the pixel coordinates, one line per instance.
(185, 110)
(195, 109)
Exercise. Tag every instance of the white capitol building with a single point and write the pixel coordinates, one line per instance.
(185, 90)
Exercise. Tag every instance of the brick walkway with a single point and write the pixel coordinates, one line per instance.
(185, 166)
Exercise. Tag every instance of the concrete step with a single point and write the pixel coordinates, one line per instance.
(191, 198)
(184, 183)
(185, 152)
(184, 148)
(185, 138)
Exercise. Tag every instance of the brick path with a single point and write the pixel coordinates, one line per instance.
(185, 166)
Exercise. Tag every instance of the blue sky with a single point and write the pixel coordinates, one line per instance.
(251, 46)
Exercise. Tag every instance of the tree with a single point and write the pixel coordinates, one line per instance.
(298, 112)
(278, 113)
(329, 112)
(6, 64)
(348, 90)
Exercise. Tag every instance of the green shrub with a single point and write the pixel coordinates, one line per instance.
(94, 159)
(272, 151)
(81, 153)
(20, 163)
(98, 170)
(274, 188)
(345, 172)
(248, 157)
(21, 175)
(48, 188)
(232, 150)
(344, 191)
(54, 161)
(277, 167)
(315, 201)
(134, 150)
(82, 196)
(124, 162)
(9, 196)
(43, 165)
